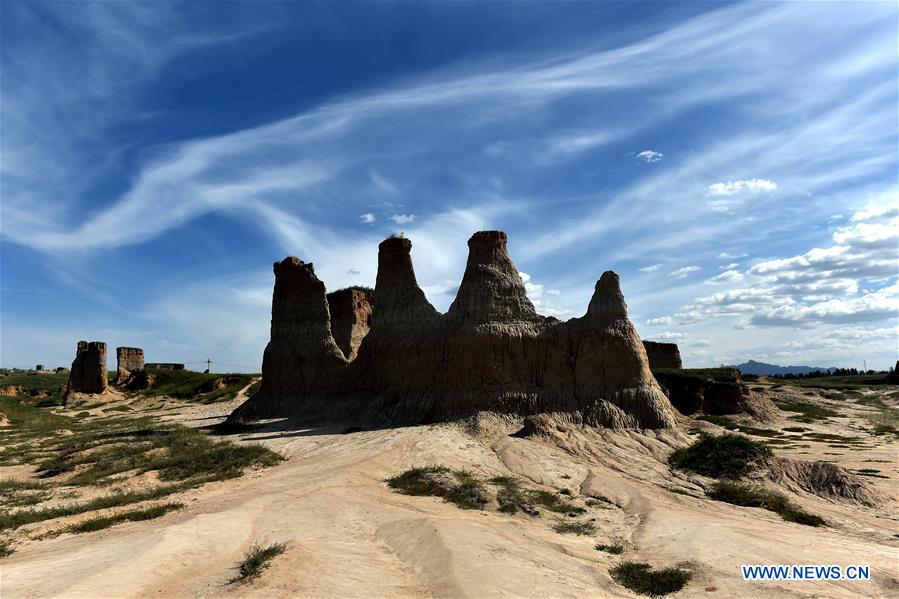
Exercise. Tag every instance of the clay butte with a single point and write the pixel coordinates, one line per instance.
(491, 352)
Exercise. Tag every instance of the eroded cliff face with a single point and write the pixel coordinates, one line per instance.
(662, 355)
(129, 363)
(350, 318)
(301, 356)
(88, 373)
(490, 352)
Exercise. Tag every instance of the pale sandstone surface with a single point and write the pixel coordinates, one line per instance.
(350, 536)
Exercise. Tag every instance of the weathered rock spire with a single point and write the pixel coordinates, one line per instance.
(302, 353)
(491, 289)
(88, 373)
(491, 352)
(607, 301)
(398, 298)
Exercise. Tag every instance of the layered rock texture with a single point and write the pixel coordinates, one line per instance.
(130, 370)
(491, 352)
(662, 355)
(350, 318)
(88, 373)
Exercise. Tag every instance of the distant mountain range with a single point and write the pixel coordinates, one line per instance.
(753, 367)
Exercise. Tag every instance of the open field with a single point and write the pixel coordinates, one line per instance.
(101, 502)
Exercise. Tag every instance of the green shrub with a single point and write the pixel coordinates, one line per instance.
(643, 579)
(724, 456)
(455, 486)
(614, 549)
(749, 496)
(256, 560)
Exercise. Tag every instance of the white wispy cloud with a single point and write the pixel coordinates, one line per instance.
(728, 276)
(731, 188)
(661, 320)
(402, 219)
(649, 156)
(472, 128)
(683, 272)
(668, 336)
(539, 296)
(822, 285)
(367, 218)
(650, 268)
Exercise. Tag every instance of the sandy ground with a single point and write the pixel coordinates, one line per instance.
(349, 535)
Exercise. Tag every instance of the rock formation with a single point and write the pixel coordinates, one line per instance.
(893, 377)
(130, 370)
(662, 355)
(128, 361)
(491, 352)
(88, 373)
(350, 318)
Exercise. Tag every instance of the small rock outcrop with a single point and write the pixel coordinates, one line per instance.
(350, 318)
(88, 373)
(491, 352)
(662, 355)
(129, 360)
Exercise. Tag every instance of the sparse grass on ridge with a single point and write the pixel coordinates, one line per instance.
(6, 548)
(750, 496)
(614, 548)
(256, 560)
(150, 513)
(574, 527)
(13, 520)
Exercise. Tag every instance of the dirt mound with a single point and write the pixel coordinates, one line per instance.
(823, 479)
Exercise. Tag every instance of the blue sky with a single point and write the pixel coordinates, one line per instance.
(736, 164)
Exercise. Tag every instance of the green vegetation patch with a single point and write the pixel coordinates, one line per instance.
(614, 548)
(39, 390)
(584, 528)
(256, 560)
(724, 456)
(13, 520)
(642, 578)
(870, 472)
(198, 386)
(176, 452)
(808, 413)
(851, 382)
(750, 496)
(458, 487)
(150, 513)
